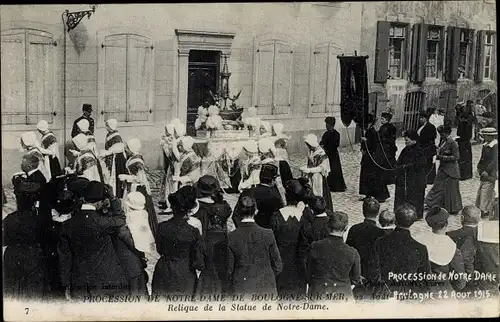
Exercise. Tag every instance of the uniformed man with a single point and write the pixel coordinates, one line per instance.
(87, 112)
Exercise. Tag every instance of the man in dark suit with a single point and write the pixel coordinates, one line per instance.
(427, 134)
(399, 253)
(29, 184)
(254, 260)
(333, 266)
(266, 195)
(88, 261)
(362, 237)
(466, 237)
(87, 112)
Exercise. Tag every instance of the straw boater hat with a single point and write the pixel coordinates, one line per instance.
(488, 131)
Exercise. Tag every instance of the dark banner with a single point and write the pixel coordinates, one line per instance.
(354, 89)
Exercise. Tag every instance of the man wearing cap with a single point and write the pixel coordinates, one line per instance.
(488, 171)
(87, 111)
(466, 236)
(88, 261)
(266, 195)
(426, 138)
(49, 142)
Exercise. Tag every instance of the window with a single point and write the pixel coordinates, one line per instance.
(488, 55)
(434, 36)
(27, 67)
(325, 79)
(465, 54)
(128, 77)
(273, 77)
(397, 51)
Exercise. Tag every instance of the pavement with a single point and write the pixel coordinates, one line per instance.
(347, 201)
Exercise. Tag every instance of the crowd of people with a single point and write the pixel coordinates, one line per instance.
(87, 229)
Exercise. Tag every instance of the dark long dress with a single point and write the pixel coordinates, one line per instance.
(24, 261)
(330, 142)
(464, 131)
(410, 178)
(119, 159)
(180, 247)
(291, 280)
(387, 133)
(213, 217)
(371, 179)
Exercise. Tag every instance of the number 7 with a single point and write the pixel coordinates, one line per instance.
(27, 310)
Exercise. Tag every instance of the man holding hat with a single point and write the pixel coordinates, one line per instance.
(488, 170)
(427, 134)
(87, 111)
(89, 264)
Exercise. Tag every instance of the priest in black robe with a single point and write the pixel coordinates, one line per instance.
(410, 175)
(371, 179)
(387, 133)
(330, 142)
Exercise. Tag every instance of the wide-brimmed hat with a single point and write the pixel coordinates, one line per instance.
(135, 200)
(206, 186)
(437, 216)
(268, 171)
(94, 192)
(77, 185)
(488, 131)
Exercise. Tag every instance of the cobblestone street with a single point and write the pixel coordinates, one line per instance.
(344, 201)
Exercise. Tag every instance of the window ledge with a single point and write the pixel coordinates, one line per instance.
(323, 115)
(431, 81)
(276, 117)
(464, 80)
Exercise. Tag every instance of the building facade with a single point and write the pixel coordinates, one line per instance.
(429, 54)
(142, 63)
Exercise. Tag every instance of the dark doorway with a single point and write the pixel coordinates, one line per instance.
(203, 78)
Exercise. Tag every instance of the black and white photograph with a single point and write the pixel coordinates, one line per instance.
(260, 160)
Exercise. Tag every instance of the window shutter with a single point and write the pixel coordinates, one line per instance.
(419, 53)
(139, 78)
(283, 78)
(479, 68)
(319, 82)
(334, 88)
(407, 51)
(12, 69)
(440, 57)
(115, 79)
(452, 53)
(382, 52)
(265, 67)
(494, 58)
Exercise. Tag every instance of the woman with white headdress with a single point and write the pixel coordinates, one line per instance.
(49, 143)
(250, 166)
(136, 180)
(84, 125)
(86, 164)
(317, 169)
(114, 156)
(168, 165)
(280, 140)
(30, 145)
(268, 155)
(179, 132)
(265, 129)
(189, 163)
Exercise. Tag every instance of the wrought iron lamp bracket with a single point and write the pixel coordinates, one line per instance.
(74, 18)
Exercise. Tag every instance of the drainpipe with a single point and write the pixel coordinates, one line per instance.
(64, 90)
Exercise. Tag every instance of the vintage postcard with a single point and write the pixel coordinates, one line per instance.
(233, 161)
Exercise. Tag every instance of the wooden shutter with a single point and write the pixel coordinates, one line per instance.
(139, 70)
(13, 75)
(479, 64)
(319, 81)
(334, 88)
(115, 77)
(283, 78)
(406, 55)
(265, 72)
(419, 53)
(382, 52)
(494, 58)
(452, 53)
(440, 57)
(40, 78)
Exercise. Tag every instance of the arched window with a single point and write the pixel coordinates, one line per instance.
(273, 75)
(127, 77)
(27, 67)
